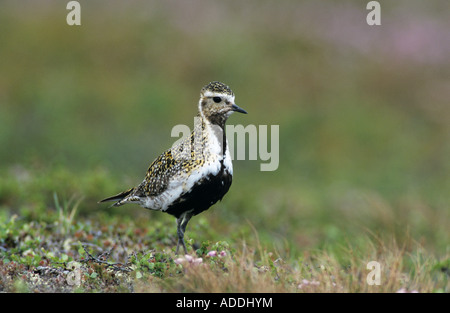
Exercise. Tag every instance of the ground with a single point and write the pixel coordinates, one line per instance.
(57, 246)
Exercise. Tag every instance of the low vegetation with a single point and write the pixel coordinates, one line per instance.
(58, 246)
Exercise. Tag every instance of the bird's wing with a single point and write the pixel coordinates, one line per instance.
(172, 163)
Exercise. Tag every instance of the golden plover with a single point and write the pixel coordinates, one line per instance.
(197, 171)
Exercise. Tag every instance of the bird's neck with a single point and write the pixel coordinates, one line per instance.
(214, 119)
(214, 132)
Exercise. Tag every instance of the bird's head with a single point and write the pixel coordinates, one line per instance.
(217, 103)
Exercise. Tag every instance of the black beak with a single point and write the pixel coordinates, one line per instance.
(238, 109)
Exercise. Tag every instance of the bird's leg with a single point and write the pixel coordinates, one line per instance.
(180, 235)
(182, 222)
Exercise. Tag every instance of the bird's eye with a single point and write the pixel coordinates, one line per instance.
(217, 99)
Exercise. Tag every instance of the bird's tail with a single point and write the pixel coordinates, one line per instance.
(119, 197)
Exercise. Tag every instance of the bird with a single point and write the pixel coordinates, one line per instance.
(197, 171)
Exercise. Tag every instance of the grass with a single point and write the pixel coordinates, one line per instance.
(38, 267)
(363, 146)
(133, 251)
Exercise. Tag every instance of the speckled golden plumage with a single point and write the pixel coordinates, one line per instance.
(180, 160)
(218, 87)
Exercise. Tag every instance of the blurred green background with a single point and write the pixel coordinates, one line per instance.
(363, 111)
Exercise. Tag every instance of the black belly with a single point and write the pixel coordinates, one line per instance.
(203, 195)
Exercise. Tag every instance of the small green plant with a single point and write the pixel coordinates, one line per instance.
(157, 264)
(66, 213)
